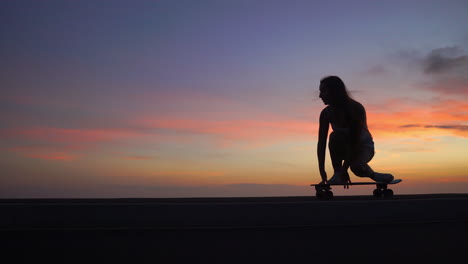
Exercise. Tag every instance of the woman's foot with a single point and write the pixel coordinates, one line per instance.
(338, 179)
(382, 177)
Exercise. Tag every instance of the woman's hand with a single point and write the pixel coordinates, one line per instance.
(344, 176)
(323, 174)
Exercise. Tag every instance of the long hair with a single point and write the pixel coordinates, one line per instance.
(338, 93)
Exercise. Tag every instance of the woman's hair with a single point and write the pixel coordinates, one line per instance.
(337, 89)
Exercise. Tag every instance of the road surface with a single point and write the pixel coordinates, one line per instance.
(233, 230)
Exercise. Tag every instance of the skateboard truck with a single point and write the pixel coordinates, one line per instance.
(382, 191)
(323, 192)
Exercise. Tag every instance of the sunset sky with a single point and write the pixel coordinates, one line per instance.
(220, 98)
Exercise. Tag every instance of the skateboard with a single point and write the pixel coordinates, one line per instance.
(323, 191)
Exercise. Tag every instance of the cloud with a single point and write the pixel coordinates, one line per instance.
(458, 129)
(445, 60)
(52, 143)
(462, 128)
(445, 69)
(67, 135)
(397, 117)
(53, 156)
(45, 153)
(248, 131)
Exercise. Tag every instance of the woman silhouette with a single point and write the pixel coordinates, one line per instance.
(351, 144)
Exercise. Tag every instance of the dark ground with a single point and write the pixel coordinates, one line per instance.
(405, 228)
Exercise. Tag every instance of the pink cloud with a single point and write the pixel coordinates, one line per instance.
(53, 156)
(394, 118)
(402, 116)
(52, 134)
(240, 130)
(47, 153)
(64, 144)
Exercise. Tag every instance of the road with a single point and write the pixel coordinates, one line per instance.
(233, 230)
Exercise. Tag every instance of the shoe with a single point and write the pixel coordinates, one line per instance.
(382, 177)
(335, 179)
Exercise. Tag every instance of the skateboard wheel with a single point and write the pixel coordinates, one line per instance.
(388, 193)
(377, 193)
(319, 195)
(324, 195)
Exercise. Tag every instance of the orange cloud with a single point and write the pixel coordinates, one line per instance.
(397, 117)
(58, 144)
(240, 130)
(52, 156)
(73, 139)
(74, 135)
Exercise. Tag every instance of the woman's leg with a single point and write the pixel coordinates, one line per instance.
(338, 150)
(359, 165)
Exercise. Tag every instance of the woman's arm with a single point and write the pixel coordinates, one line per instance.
(322, 143)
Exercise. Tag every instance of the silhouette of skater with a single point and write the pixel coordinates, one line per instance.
(351, 144)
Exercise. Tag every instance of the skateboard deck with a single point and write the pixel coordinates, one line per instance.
(360, 183)
(324, 189)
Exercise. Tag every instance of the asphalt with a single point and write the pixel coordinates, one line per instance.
(431, 227)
